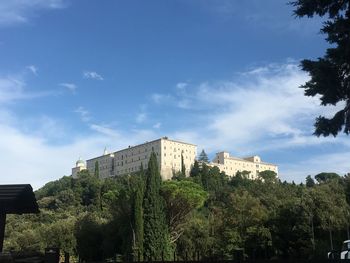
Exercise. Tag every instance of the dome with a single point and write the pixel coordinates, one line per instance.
(80, 163)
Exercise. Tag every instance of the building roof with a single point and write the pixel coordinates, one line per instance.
(17, 199)
(142, 144)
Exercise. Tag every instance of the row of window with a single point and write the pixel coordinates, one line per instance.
(126, 155)
(131, 169)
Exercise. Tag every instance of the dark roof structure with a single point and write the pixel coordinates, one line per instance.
(17, 199)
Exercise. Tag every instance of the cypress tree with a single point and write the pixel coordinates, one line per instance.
(195, 169)
(183, 168)
(138, 216)
(156, 236)
(97, 170)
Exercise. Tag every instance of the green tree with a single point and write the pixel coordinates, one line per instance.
(268, 176)
(61, 234)
(243, 226)
(183, 168)
(309, 181)
(138, 216)
(326, 177)
(203, 157)
(89, 235)
(195, 171)
(330, 207)
(97, 170)
(181, 198)
(156, 238)
(330, 74)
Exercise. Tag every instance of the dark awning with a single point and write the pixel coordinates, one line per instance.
(17, 199)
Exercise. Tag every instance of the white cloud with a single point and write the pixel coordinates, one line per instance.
(13, 88)
(141, 117)
(70, 86)
(157, 125)
(105, 131)
(84, 114)
(33, 69)
(256, 109)
(92, 75)
(36, 161)
(19, 11)
(259, 111)
(161, 98)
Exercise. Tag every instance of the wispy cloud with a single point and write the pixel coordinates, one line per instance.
(70, 86)
(13, 88)
(19, 11)
(141, 117)
(83, 113)
(157, 125)
(33, 69)
(105, 130)
(92, 75)
(259, 111)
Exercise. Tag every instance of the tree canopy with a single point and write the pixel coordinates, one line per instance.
(330, 75)
(209, 213)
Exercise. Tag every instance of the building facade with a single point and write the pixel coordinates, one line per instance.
(231, 165)
(129, 160)
(169, 155)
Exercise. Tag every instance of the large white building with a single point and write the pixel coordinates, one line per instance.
(129, 160)
(169, 154)
(231, 165)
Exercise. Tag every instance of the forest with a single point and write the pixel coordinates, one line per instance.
(208, 214)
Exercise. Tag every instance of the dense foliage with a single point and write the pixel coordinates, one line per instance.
(330, 75)
(207, 214)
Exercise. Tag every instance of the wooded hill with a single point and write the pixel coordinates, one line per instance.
(207, 213)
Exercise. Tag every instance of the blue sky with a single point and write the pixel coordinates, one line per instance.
(78, 76)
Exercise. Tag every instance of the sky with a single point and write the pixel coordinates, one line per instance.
(79, 76)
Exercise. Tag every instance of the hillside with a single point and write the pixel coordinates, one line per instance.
(206, 213)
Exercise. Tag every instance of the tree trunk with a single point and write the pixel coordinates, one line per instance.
(313, 234)
(2, 230)
(331, 239)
